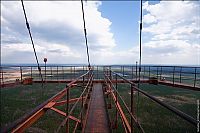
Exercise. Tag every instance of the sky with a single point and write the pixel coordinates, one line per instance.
(170, 34)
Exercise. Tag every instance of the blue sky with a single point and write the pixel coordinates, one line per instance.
(170, 32)
(124, 17)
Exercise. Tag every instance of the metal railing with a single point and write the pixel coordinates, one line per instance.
(81, 103)
(111, 90)
(174, 74)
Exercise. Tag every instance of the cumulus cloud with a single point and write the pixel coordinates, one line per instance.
(173, 32)
(57, 29)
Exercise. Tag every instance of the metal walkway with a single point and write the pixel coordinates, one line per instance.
(97, 121)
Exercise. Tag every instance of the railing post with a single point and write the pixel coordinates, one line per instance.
(110, 73)
(51, 73)
(67, 109)
(71, 72)
(132, 72)
(45, 72)
(161, 73)
(180, 74)
(149, 72)
(31, 72)
(2, 81)
(157, 72)
(116, 113)
(132, 107)
(173, 74)
(74, 72)
(82, 106)
(21, 74)
(144, 73)
(195, 77)
(57, 73)
(97, 73)
(136, 71)
(63, 72)
(123, 70)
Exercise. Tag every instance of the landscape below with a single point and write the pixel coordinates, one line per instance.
(19, 97)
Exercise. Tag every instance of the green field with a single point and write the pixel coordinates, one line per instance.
(17, 101)
(155, 118)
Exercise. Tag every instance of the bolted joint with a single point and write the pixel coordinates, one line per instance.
(27, 25)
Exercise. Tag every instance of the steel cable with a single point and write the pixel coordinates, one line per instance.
(85, 33)
(31, 38)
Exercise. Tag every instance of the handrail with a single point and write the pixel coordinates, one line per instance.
(53, 98)
(124, 103)
(169, 107)
(75, 104)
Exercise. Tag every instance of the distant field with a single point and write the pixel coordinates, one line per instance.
(17, 101)
(155, 118)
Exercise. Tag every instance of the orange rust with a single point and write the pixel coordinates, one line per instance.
(29, 121)
(97, 118)
(124, 119)
(58, 111)
(50, 104)
(65, 101)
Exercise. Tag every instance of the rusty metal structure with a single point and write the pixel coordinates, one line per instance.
(99, 91)
(108, 78)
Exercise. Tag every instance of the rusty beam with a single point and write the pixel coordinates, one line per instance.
(64, 114)
(65, 101)
(29, 121)
(124, 119)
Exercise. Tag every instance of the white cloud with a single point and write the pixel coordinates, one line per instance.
(171, 33)
(57, 29)
(174, 32)
(148, 18)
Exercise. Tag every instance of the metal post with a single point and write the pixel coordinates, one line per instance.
(132, 72)
(71, 72)
(21, 74)
(74, 72)
(51, 73)
(180, 74)
(45, 72)
(63, 72)
(2, 81)
(132, 107)
(149, 72)
(110, 73)
(116, 113)
(82, 107)
(97, 73)
(157, 72)
(45, 61)
(195, 77)
(173, 74)
(161, 73)
(136, 70)
(144, 73)
(57, 72)
(67, 110)
(31, 72)
(123, 70)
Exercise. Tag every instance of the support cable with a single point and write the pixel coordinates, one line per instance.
(31, 38)
(140, 58)
(85, 33)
